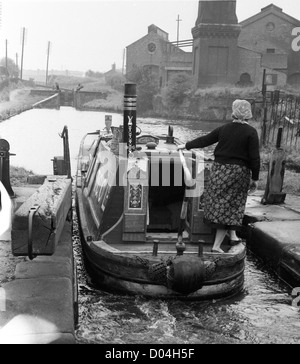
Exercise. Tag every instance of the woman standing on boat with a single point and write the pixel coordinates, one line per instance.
(235, 170)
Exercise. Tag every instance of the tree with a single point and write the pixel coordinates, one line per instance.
(135, 75)
(93, 74)
(12, 68)
(147, 87)
(179, 86)
(116, 81)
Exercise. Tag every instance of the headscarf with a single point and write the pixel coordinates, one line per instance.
(241, 110)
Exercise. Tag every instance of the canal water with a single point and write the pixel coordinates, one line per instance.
(261, 314)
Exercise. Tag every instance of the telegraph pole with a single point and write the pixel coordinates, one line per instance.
(6, 54)
(48, 51)
(123, 65)
(178, 20)
(22, 56)
(265, 108)
(17, 66)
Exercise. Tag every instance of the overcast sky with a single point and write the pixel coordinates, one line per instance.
(92, 35)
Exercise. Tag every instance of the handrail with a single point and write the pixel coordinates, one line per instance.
(65, 135)
(45, 100)
(187, 173)
(32, 212)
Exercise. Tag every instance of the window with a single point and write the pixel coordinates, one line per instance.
(271, 79)
(270, 27)
(270, 50)
(245, 80)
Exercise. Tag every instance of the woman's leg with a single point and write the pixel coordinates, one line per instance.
(232, 235)
(220, 235)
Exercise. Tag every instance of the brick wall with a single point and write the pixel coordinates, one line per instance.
(249, 62)
(165, 55)
(138, 53)
(82, 97)
(260, 36)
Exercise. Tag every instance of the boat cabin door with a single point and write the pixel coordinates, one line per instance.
(136, 200)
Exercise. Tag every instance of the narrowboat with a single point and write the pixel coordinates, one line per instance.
(140, 216)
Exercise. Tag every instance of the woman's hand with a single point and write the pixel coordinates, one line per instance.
(180, 146)
(253, 186)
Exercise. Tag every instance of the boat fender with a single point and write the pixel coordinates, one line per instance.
(182, 274)
(186, 274)
(158, 272)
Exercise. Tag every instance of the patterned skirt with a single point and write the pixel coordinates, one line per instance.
(226, 195)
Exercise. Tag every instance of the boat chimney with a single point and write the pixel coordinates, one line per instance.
(170, 137)
(129, 117)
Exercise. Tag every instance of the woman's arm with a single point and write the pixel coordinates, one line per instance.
(203, 141)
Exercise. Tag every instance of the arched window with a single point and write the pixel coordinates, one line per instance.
(245, 80)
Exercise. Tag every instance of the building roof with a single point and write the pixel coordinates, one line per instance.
(270, 9)
(161, 35)
(153, 29)
(250, 50)
(159, 31)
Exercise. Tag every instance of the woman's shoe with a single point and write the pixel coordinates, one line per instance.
(217, 251)
(235, 242)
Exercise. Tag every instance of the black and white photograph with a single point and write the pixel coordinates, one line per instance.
(149, 174)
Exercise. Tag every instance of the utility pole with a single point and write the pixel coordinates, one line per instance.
(48, 51)
(265, 108)
(123, 66)
(178, 20)
(17, 66)
(22, 56)
(6, 55)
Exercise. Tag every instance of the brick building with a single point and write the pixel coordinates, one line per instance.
(265, 42)
(155, 52)
(224, 50)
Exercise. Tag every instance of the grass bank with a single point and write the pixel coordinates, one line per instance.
(15, 99)
(19, 176)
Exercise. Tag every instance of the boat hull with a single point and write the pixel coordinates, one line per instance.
(122, 273)
(228, 286)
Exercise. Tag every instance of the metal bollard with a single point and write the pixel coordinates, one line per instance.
(33, 210)
(200, 248)
(155, 248)
(4, 166)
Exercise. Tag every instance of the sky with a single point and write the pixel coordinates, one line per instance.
(93, 35)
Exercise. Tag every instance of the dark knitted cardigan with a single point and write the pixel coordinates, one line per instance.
(238, 143)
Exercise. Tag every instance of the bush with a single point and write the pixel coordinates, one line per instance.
(116, 82)
(237, 92)
(179, 87)
(147, 88)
